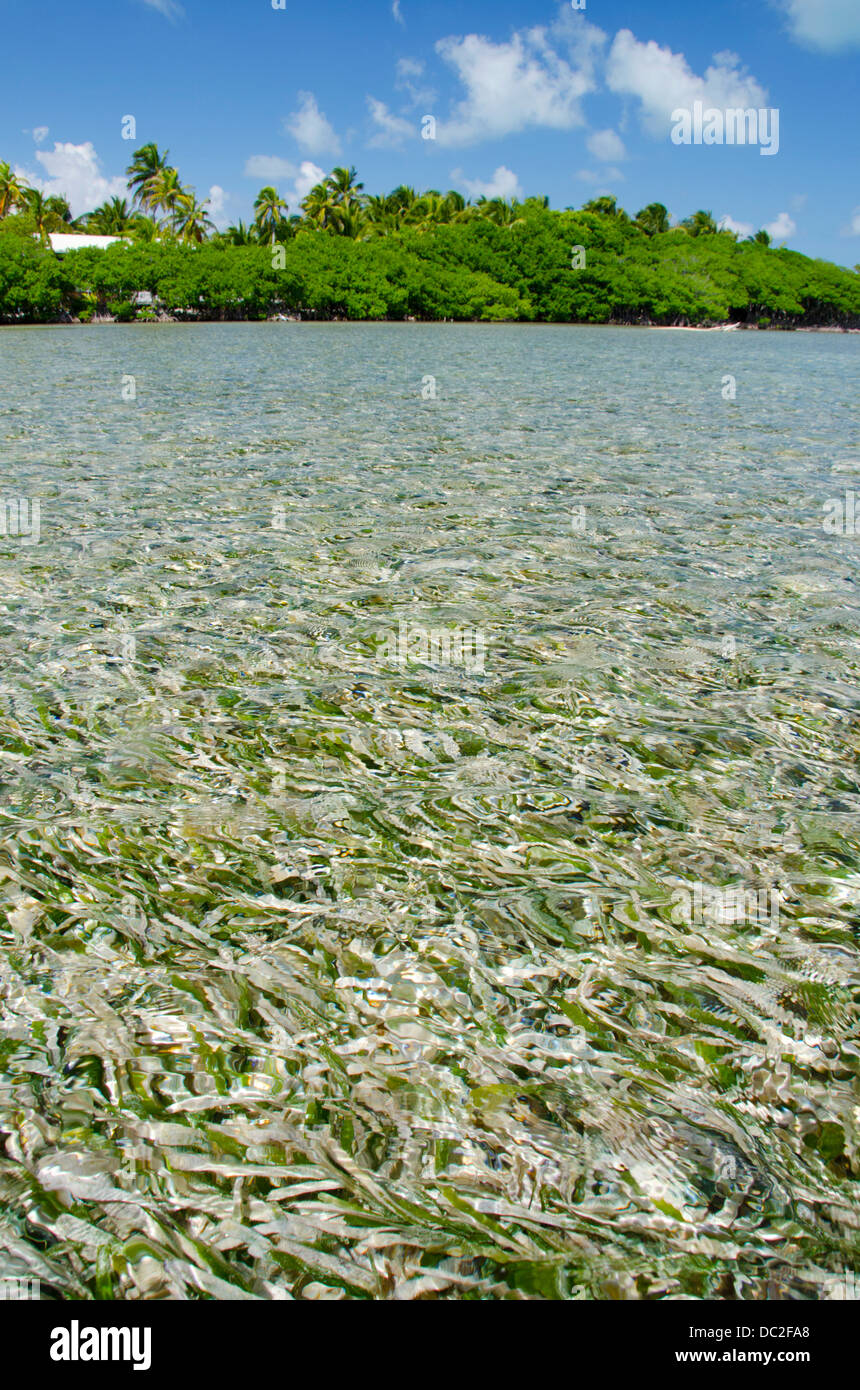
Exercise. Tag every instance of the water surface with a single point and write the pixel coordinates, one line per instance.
(324, 974)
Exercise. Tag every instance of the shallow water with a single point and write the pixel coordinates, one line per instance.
(337, 963)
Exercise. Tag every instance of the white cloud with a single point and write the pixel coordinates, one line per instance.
(395, 10)
(40, 133)
(782, 228)
(511, 86)
(310, 128)
(269, 168)
(606, 146)
(664, 81)
(592, 176)
(825, 24)
(171, 9)
(408, 67)
(853, 228)
(391, 130)
(739, 228)
(503, 184)
(74, 172)
(408, 71)
(216, 200)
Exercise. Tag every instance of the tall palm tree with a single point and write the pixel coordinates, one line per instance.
(269, 209)
(12, 189)
(343, 187)
(192, 221)
(37, 206)
(48, 214)
(146, 164)
(164, 193)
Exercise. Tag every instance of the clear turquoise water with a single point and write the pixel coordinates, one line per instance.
(325, 975)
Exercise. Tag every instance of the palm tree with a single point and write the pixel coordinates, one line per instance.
(498, 211)
(12, 189)
(144, 229)
(344, 189)
(430, 210)
(60, 211)
(761, 238)
(379, 216)
(269, 211)
(653, 219)
(402, 200)
(35, 203)
(320, 209)
(146, 164)
(192, 221)
(113, 218)
(606, 206)
(240, 235)
(700, 224)
(164, 192)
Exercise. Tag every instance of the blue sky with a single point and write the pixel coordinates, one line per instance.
(529, 97)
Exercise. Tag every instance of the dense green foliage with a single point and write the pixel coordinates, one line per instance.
(34, 284)
(429, 256)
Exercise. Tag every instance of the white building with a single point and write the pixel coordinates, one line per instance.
(61, 242)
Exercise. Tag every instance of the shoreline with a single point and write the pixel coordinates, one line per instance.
(170, 320)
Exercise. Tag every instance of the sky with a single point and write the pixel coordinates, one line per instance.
(529, 97)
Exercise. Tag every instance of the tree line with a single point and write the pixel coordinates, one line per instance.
(400, 255)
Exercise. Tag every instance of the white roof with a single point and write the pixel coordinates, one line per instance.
(69, 241)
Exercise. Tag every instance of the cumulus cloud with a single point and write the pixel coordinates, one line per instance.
(503, 184)
(663, 81)
(391, 130)
(511, 86)
(310, 128)
(40, 133)
(408, 73)
(782, 228)
(74, 172)
(606, 146)
(308, 176)
(729, 224)
(825, 24)
(171, 9)
(593, 177)
(853, 228)
(216, 200)
(269, 168)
